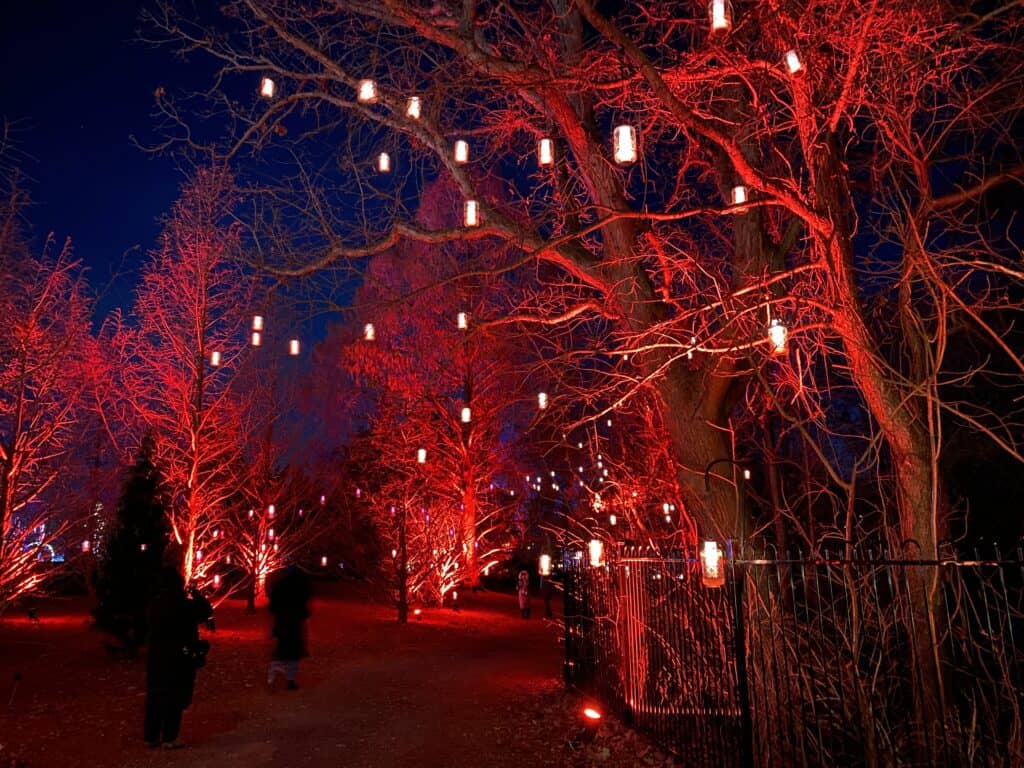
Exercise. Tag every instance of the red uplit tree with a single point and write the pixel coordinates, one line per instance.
(178, 364)
(45, 354)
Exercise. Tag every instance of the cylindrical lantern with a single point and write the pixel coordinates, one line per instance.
(271, 510)
(466, 415)
(720, 12)
(368, 332)
(739, 194)
(256, 339)
(323, 561)
(777, 333)
(463, 321)
(86, 545)
(267, 88)
(545, 565)
(471, 214)
(384, 162)
(216, 579)
(711, 565)
(546, 152)
(596, 553)
(413, 108)
(367, 91)
(199, 555)
(542, 400)
(612, 519)
(625, 144)
(421, 456)
(143, 547)
(257, 322)
(293, 347)
(215, 359)
(461, 152)
(270, 533)
(793, 63)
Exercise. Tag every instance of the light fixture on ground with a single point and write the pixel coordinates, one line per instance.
(624, 144)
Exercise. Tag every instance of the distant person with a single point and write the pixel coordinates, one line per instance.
(175, 653)
(289, 604)
(524, 594)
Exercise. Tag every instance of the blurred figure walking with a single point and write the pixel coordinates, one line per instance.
(289, 604)
(524, 594)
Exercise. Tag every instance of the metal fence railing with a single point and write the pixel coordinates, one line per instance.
(869, 661)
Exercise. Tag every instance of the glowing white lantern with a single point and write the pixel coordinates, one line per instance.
(368, 332)
(461, 152)
(463, 321)
(323, 561)
(394, 553)
(777, 333)
(142, 547)
(720, 12)
(384, 162)
(542, 400)
(86, 546)
(625, 144)
(252, 513)
(711, 565)
(293, 347)
(546, 152)
(413, 107)
(367, 91)
(267, 88)
(216, 579)
(466, 415)
(545, 565)
(256, 338)
(199, 555)
(270, 533)
(596, 553)
(215, 359)
(746, 474)
(323, 500)
(471, 214)
(228, 559)
(421, 456)
(257, 322)
(793, 63)
(739, 195)
(612, 519)
(271, 511)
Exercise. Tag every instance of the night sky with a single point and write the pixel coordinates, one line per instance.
(78, 84)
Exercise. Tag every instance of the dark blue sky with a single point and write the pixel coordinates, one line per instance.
(78, 85)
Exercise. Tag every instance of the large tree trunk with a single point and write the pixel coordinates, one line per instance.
(468, 525)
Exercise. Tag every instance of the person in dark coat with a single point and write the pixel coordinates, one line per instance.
(289, 604)
(175, 652)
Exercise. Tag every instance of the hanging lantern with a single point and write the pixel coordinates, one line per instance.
(421, 456)
(711, 565)
(256, 338)
(216, 579)
(546, 152)
(367, 92)
(293, 347)
(720, 12)
(746, 474)
(777, 334)
(542, 400)
(215, 359)
(463, 321)
(199, 555)
(270, 533)
(413, 107)
(323, 500)
(545, 565)
(466, 415)
(625, 144)
(384, 162)
(228, 559)
(86, 545)
(793, 63)
(368, 332)
(461, 152)
(143, 547)
(271, 511)
(471, 214)
(252, 513)
(739, 195)
(323, 561)
(596, 553)
(267, 88)
(257, 322)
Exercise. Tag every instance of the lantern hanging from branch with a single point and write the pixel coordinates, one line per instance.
(546, 152)
(596, 553)
(612, 520)
(624, 144)
(293, 347)
(542, 400)
(421, 456)
(256, 339)
(739, 194)
(720, 12)
(461, 151)
(466, 415)
(384, 162)
(462, 320)
(215, 359)
(267, 88)
(471, 214)
(323, 561)
(86, 545)
(793, 63)
(777, 333)
(367, 91)
(711, 565)
(545, 565)
(369, 334)
(413, 108)
(257, 322)
(271, 510)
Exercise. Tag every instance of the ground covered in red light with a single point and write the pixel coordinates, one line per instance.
(479, 687)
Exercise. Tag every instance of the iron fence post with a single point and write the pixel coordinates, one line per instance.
(742, 683)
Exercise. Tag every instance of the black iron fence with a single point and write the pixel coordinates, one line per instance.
(870, 661)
